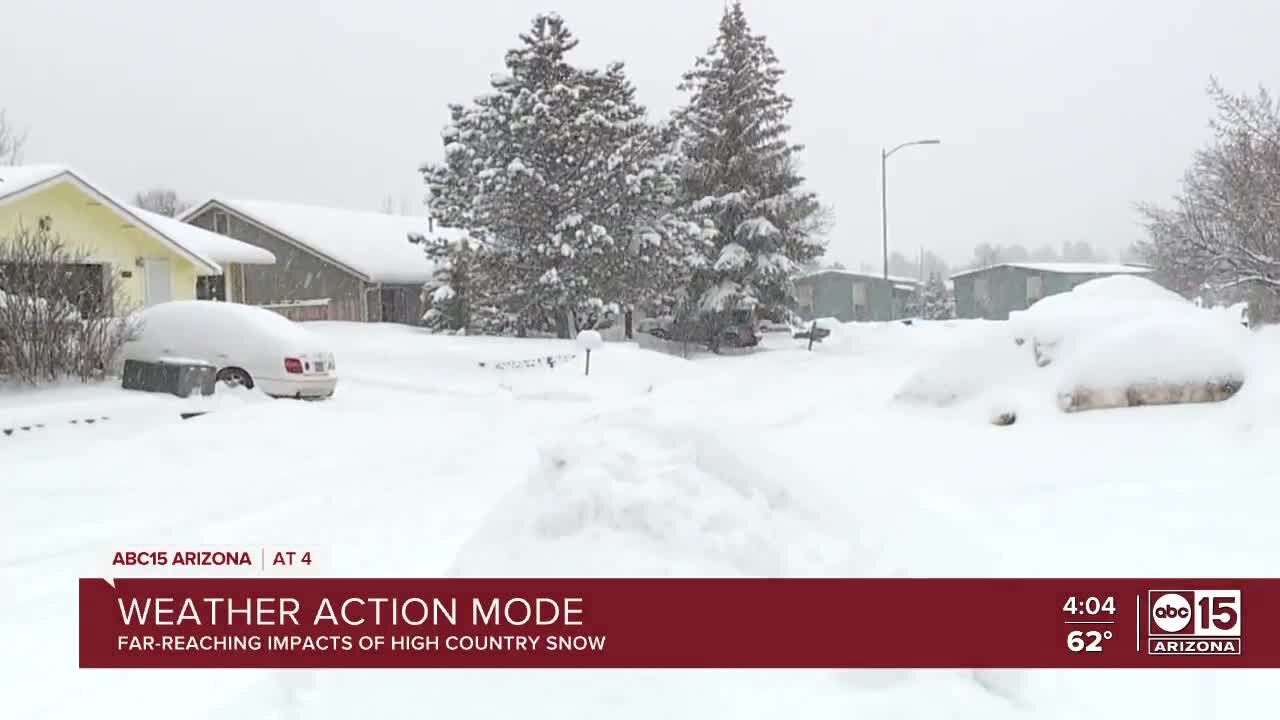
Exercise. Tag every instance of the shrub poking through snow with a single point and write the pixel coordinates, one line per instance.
(55, 310)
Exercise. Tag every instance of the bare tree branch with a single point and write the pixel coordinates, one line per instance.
(163, 201)
(1222, 231)
(11, 141)
(57, 309)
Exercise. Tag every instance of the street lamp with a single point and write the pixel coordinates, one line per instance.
(884, 195)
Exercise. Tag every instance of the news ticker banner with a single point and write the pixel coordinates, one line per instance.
(289, 622)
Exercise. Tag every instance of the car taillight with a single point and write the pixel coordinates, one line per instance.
(293, 366)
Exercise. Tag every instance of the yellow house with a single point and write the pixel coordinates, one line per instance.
(154, 258)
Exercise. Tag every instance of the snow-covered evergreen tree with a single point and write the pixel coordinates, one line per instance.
(447, 296)
(741, 176)
(935, 301)
(561, 179)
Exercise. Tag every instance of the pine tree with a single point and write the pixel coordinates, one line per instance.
(561, 179)
(453, 285)
(742, 177)
(913, 304)
(936, 302)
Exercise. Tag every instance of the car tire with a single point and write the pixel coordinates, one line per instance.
(235, 377)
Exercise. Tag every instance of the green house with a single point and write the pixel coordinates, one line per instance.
(994, 292)
(849, 296)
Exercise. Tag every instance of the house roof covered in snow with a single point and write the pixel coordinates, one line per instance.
(207, 250)
(895, 279)
(209, 244)
(371, 245)
(1065, 268)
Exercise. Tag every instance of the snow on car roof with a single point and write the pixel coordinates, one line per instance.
(375, 245)
(1066, 268)
(194, 313)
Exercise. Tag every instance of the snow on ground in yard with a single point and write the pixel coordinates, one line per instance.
(783, 462)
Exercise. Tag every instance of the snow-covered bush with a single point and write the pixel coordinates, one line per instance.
(935, 301)
(55, 310)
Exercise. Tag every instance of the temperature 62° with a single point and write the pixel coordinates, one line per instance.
(1087, 640)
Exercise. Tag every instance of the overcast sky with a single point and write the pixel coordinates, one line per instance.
(1055, 115)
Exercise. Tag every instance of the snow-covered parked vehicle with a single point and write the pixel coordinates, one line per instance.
(1055, 325)
(1125, 341)
(1113, 342)
(250, 347)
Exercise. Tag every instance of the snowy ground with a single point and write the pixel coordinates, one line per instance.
(780, 463)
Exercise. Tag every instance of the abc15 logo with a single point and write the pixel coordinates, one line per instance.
(1194, 613)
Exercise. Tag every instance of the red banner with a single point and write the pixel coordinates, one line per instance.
(731, 623)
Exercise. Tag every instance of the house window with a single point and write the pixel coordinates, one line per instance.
(860, 294)
(211, 287)
(1035, 288)
(981, 290)
(804, 298)
(394, 308)
(221, 223)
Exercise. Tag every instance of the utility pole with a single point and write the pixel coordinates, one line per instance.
(884, 195)
(884, 208)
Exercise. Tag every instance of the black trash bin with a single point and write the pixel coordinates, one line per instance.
(176, 377)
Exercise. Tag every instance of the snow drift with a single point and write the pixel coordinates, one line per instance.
(633, 496)
(976, 366)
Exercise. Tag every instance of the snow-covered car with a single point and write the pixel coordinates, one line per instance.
(250, 346)
(1055, 326)
(1112, 342)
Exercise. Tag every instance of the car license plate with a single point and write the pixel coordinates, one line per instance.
(319, 366)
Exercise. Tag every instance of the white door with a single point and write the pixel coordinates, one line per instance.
(159, 282)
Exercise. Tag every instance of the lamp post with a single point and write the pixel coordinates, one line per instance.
(884, 195)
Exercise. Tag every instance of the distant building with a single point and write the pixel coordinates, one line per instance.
(994, 292)
(849, 296)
